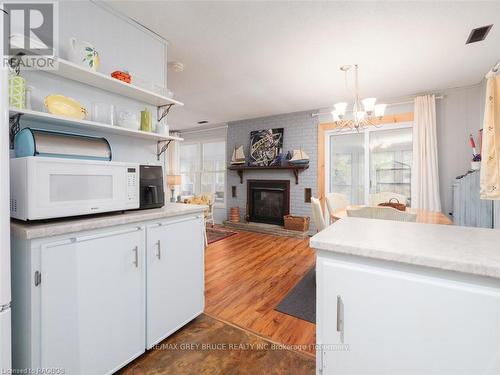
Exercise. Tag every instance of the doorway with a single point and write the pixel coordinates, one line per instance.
(375, 160)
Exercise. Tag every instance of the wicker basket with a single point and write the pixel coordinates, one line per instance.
(396, 205)
(234, 215)
(298, 223)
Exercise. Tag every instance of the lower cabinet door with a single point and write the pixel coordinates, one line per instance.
(175, 277)
(396, 322)
(92, 302)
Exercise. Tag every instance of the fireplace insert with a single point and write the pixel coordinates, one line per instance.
(268, 201)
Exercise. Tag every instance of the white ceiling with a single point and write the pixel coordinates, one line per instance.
(252, 59)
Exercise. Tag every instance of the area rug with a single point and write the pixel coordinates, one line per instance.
(216, 234)
(209, 346)
(300, 302)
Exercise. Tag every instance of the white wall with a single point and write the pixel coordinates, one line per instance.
(459, 114)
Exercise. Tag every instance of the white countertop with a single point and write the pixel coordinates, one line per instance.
(454, 248)
(49, 228)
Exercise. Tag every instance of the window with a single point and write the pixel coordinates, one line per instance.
(390, 161)
(203, 169)
(189, 168)
(374, 161)
(347, 166)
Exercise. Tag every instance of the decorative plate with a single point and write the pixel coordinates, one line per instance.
(63, 106)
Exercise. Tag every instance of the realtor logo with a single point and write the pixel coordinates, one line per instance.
(30, 34)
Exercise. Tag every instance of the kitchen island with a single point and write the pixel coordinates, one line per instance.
(407, 298)
(90, 294)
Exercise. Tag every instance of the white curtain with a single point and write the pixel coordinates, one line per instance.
(425, 175)
(490, 153)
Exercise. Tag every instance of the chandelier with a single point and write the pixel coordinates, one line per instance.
(364, 112)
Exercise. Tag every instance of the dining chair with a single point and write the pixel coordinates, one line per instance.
(382, 213)
(376, 198)
(317, 214)
(336, 202)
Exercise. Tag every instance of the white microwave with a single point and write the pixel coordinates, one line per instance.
(47, 188)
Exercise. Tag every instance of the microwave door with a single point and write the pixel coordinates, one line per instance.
(81, 187)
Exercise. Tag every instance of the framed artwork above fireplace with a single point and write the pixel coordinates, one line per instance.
(266, 147)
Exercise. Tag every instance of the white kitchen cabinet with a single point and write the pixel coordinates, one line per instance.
(82, 301)
(175, 276)
(92, 294)
(401, 320)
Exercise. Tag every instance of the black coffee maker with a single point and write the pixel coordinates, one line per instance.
(151, 186)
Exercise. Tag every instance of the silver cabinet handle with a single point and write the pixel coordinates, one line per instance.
(158, 253)
(340, 318)
(136, 255)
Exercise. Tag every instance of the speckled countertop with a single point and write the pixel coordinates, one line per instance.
(32, 230)
(463, 249)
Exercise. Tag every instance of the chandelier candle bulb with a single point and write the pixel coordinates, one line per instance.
(369, 104)
(380, 110)
(335, 115)
(340, 109)
(360, 115)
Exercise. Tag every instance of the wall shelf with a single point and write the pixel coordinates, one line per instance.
(294, 168)
(69, 70)
(47, 118)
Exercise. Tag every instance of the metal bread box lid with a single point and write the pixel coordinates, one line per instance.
(37, 142)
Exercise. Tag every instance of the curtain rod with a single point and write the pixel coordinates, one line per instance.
(389, 105)
(496, 67)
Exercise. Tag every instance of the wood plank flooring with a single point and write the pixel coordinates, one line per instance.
(248, 274)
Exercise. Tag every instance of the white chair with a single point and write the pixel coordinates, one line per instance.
(382, 213)
(317, 214)
(209, 215)
(336, 202)
(376, 198)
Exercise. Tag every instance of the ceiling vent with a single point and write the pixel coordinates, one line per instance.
(203, 122)
(479, 34)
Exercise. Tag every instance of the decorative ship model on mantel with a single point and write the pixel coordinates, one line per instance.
(299, 157)
(238, 157)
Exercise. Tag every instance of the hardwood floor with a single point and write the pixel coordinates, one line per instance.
(248, 274)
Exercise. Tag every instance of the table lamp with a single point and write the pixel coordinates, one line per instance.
(173, 180)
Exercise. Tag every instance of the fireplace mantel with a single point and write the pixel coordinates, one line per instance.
(294, 168)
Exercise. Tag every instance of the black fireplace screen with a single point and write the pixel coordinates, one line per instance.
(268, 201)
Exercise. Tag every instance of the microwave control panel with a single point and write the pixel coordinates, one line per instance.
(132, 182)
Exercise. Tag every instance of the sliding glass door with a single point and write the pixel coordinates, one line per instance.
(347, 165)
(365, 165)
(390, 162)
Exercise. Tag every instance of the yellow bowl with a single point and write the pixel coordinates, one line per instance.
(63, 106)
